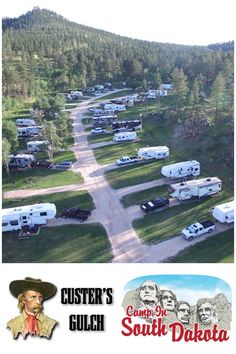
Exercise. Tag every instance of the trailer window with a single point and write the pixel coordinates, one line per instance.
(4, 224)
(13, 222)
(24, 217)
(44, 213)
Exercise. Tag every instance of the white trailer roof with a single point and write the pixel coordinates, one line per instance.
(154, 148)
(202, 182)
(181, 164)
(29, 208)
(226, 207)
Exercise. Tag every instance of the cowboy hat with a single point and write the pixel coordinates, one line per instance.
(18, 287)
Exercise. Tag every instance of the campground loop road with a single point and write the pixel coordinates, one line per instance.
(126, 245)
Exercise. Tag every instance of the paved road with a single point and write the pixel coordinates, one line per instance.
(126, 245)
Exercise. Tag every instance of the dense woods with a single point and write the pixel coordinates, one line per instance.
(44, 53)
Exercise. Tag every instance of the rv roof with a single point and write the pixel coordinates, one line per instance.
(226, 206)
(197, 182)
(154, 148)
(37, 142)
(28, 208)
(177, 164)
(22, 156)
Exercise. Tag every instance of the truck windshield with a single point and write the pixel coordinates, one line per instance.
(191, 228)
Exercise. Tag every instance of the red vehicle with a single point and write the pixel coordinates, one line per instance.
(76, 213)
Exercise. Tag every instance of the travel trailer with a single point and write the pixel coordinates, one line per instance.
(182, 169)
(154, 152)
(21, 160)
(29, 131)
(25, 122)
(224, 212)
(115, 107)
(28, 215)
(196, 188)
(35, 146)
(126, 136)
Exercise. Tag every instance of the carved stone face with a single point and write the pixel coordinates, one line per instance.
(148, 291)
(168, 301)
(206, 313)
(183, 313)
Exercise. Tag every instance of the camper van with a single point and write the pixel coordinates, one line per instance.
(182, 169)
(154, 152)
(21, 160)
(29, 131)
(196, 188)
(30, 215)
(34, 146)
(126, 136)
(224, 212)
(25, 122)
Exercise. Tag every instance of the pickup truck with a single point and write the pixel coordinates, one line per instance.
(98, 131)
(76, 213)
(127, 159)
(154, 204)
(199, 228)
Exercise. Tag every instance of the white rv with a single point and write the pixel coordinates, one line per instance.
(25, 122)
(21, 160)
(154, 152)
(126, 136)
(224, 212)
(34, 146)
(115, 107)
(196, 188)
(29, 131)
(181, 169)
(30, 215)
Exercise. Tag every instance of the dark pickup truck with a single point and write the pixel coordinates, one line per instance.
(76, 213)
(153, 204)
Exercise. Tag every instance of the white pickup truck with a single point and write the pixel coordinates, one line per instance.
(197, 229)
(127, 159)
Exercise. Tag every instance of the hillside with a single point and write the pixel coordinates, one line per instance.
(42, 50)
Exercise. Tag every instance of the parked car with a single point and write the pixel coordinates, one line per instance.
(199, 228)
(43, 164)
(64, 164)
(76, 213)
(154, 204)
(127, 159)
(98, 131)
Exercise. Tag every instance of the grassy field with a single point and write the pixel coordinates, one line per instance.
(132, 175)
(223, 245)
(63, 200)
(160, 226)
(67, 244)
(99, 138)
(147, 194)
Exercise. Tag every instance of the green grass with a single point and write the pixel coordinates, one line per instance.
(135, 174)
(63, 200)
(86, 121)
(39, 178)
(222, 244)
(99, 138)
(67, 244)
(147, 194)
(160, 226)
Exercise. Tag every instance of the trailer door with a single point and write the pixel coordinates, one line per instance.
(25, 220)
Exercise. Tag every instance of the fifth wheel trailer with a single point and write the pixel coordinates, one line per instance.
(154, 152)
(196, 188)
(224, 212)
(36, 214)
(182, 169)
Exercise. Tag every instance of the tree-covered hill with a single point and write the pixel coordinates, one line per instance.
(44, 51)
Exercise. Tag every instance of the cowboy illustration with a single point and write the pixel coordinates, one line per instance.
(30, 294)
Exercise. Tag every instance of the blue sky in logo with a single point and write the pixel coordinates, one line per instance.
(186, 287)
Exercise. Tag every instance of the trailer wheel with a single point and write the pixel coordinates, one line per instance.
(210, 231)
(191, 238)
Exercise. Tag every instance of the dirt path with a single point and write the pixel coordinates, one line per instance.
(126, 245)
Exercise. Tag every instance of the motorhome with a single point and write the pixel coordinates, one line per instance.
(126, 136)
(224, 212)
(28, 215)
(21, 160)
(25, 122)
(29, 131)
(182, 169)
(154, 152)
(35, 146)
(196, 188)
